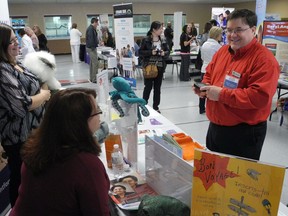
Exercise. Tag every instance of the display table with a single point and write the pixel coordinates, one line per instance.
(156, 124)
(175, 58)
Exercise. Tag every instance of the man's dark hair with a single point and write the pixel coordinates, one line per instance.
(123, 187)
(213, 22)
(247, 16)
(129, 176)
(94, 20)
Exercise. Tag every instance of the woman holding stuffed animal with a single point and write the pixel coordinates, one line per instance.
(154, 49)
(22, 104)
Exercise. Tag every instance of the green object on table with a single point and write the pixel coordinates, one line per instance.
(162, 206)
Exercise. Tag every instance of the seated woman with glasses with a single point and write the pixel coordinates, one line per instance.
(61, 173)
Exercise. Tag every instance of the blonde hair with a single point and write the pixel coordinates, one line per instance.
(215, 32)
(28, 30)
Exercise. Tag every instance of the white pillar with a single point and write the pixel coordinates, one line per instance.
(4, 12)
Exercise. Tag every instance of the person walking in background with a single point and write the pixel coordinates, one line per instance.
(209, 48)
(154, 49)
(64, 160)
(75, 42)
(33, 37)
(41, 38)
(22, 105)
(169, 35)
(92, 43)
(185, 42)
(26, 43)
(242, 78)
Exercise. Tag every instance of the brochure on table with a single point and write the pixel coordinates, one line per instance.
(229, 185)
(126, 192)
(155, 124)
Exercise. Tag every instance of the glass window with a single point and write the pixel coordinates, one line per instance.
(110, 19)
(170, 18)
(57, 26)
(19, 22)
(141, 24)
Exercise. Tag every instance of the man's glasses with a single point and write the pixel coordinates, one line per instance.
(14, 41)
(235, 31)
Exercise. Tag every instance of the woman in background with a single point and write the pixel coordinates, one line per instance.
(33, 37)
(22, 105)
(41, 38)
(209, 48)
(75, 42)
(61, 171)
(107, 37)
(154, 49)
(26, 43)
(185, 42)
(205, 33)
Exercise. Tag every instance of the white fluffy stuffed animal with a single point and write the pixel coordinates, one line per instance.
(43, 65)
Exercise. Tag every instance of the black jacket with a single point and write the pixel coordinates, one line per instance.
(145, 51)
(91, 38)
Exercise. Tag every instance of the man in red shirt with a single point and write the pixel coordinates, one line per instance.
(242, 79)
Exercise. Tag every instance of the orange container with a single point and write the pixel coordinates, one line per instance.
(109, 143)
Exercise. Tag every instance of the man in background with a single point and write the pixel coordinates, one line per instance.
(168, 33)
(92, 42)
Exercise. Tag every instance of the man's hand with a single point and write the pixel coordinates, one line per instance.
(212, 92)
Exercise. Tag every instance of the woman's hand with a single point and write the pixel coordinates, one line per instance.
(46, 94)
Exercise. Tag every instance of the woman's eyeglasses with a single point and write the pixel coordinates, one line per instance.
(97, 113)
(14, 41)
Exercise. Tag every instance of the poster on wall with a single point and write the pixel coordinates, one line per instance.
(229, 185)
(275, 38)
(220, 15)
(124, 37)
(4, 12)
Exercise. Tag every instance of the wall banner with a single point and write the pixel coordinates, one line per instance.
(124, 37)
(275, 38)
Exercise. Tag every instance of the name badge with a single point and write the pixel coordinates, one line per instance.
(231, 82)
(236, 74)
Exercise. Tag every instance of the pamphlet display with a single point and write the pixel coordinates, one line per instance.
(229, 185)
(128, 195)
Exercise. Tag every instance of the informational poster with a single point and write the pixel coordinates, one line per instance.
(124, 38)
(217, 11)
(275, 38)
(228, 185)
(4, 12)
(220, 15)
